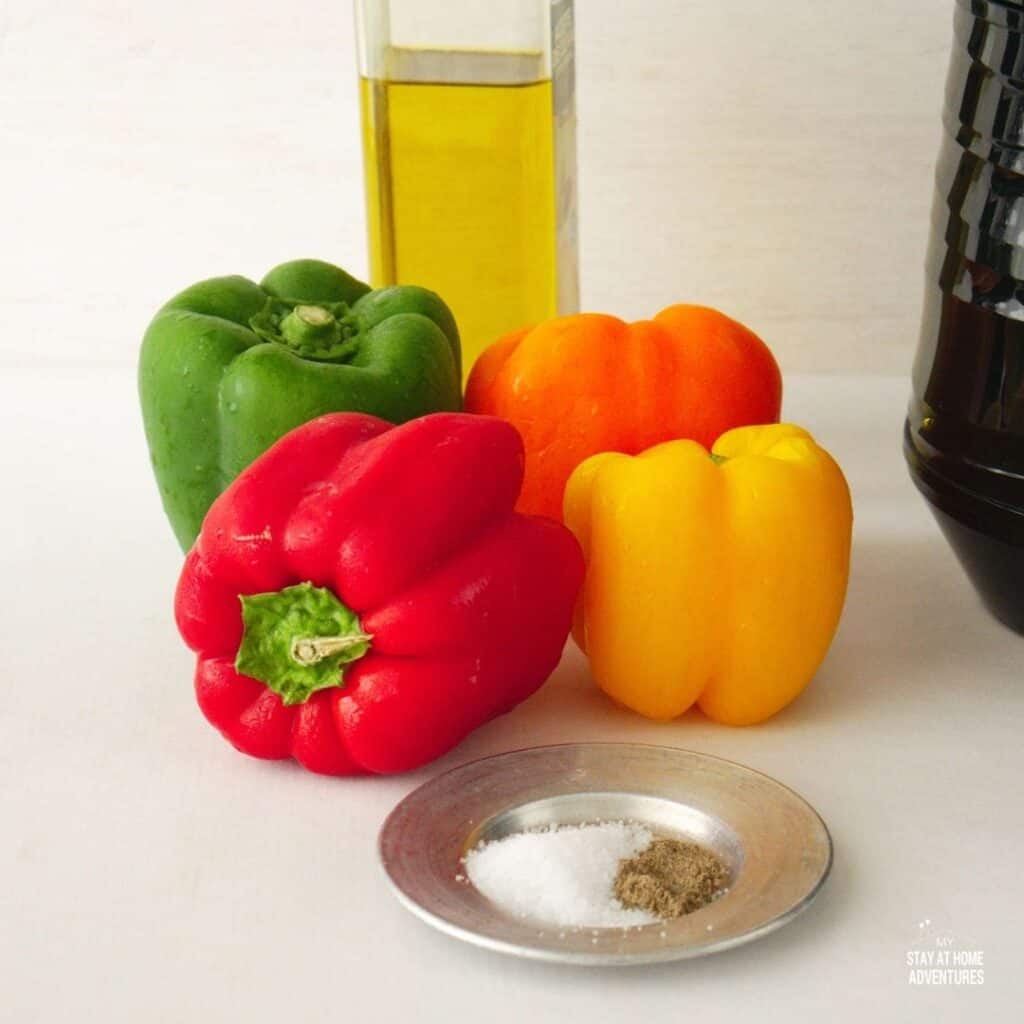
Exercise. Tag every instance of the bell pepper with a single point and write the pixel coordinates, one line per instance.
(711, 580)
(362, 596)
(229, 366)
(578, 385)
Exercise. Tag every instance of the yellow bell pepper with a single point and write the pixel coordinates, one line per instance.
(711, 580)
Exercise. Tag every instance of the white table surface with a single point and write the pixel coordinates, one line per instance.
(150, 873)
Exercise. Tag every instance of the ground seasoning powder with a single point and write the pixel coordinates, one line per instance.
(669, 878)
(610, 874)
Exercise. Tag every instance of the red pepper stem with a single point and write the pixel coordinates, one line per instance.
(308, 650)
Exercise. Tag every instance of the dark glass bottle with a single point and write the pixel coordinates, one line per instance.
(964, 435)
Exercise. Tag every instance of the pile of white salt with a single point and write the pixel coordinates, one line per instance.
(563, 875)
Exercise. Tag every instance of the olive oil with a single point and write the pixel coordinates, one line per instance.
(461, 188)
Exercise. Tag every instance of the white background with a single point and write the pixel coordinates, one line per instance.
(772, 158)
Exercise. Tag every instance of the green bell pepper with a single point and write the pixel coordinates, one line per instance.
(228, 366)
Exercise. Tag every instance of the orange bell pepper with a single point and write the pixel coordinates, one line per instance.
(578, 385)
(711, 580)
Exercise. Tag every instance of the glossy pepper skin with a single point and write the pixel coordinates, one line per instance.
(453, 607)
(711, 580)
(578, 385)
(229, 366)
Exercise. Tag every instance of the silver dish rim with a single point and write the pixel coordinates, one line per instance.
(596, 959)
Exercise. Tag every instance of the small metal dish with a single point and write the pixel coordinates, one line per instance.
(777, 849)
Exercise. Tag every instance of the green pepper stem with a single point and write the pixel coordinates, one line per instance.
(305, 325)
(317, 316)
(325, 331)
(308, 650)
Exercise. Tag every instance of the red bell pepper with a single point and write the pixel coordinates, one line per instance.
(363, 596)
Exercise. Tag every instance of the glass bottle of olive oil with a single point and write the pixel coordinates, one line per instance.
(469, 148)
